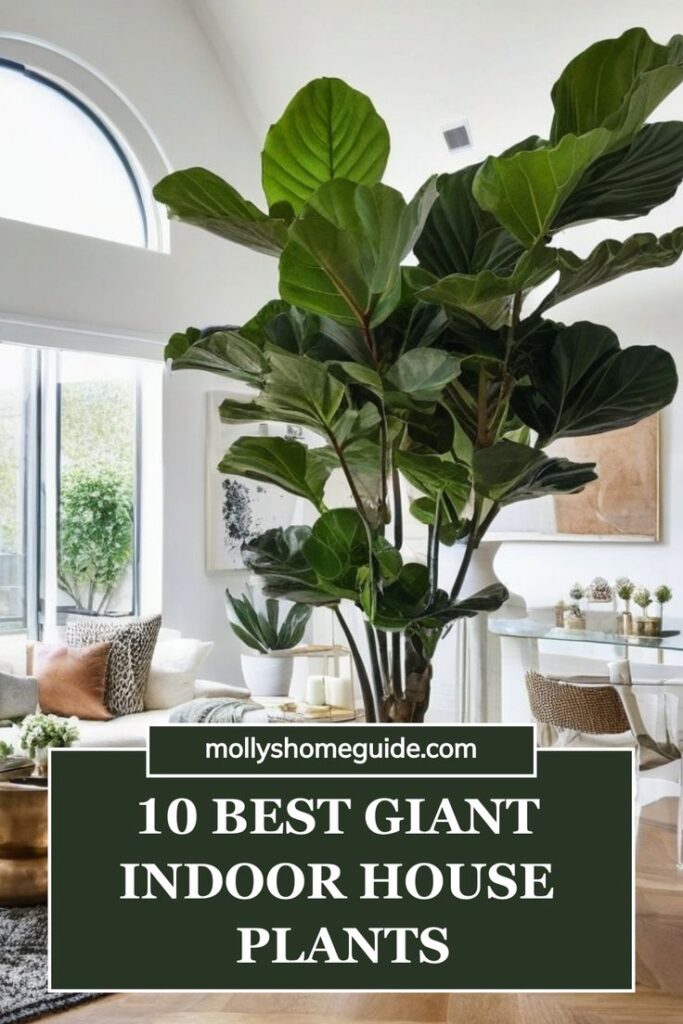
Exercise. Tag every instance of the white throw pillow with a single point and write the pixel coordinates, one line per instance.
(168, 634)
(173, 671)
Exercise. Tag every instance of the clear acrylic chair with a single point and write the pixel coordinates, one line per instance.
(591, 711)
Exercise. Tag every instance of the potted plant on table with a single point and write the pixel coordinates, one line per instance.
(624, 588)
(643, 598)
(662, 595)
(448, 373)
(268, 672)
(39, 732)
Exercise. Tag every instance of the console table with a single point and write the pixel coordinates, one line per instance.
(520, 639)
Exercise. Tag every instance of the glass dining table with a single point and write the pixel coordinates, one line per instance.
(520, 649)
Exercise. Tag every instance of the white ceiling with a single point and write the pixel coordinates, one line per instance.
(425, 64)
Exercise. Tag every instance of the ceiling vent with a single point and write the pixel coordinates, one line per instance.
(458, 136)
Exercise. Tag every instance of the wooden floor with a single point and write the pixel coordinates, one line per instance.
(658, 1000)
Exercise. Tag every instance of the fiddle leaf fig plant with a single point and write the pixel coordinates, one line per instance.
(440, 367)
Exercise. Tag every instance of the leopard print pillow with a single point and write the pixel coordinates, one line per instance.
(133, 642)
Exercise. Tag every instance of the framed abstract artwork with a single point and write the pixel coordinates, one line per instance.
(237, 508)
(621, 505)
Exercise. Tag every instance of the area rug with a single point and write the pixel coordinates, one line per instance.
(23, 968)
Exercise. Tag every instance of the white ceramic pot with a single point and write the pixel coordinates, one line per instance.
(268, 675)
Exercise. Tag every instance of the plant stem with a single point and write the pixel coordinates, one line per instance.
(105, 600)
(376, 672)
(487, 520)
(507, 380)
(382, 647)
(369, 339)
(433, 551)
(361, 512)
(347, 473)
(396, 654)
(396, 665)
(397, 509)
(482, 409)
(472, 542)
(385, 469)
(365, 686)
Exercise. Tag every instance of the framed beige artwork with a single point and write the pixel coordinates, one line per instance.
(621, 505)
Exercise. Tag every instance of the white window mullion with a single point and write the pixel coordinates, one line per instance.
(49, 490)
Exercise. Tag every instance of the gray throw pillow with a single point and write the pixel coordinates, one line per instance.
(18, 695)
(133, 641)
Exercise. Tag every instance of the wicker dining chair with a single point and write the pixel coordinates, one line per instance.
(594, 708)
(588, 708)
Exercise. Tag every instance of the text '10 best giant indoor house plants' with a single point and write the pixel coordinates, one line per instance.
(448, 372)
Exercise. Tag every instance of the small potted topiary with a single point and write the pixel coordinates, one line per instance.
(624, 588)
(268, 671)
(643, 598)
(663, 595)
(574, 617)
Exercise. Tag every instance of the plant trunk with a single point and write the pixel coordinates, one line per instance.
(413, 703)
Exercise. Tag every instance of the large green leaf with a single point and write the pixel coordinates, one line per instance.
(436, 477)
(488, 296)
(451, 527)
(199, 197)
(583, 383)
(615, 84)
(364, 462)
(459, 237)
(321, 564)
(353, 425)
(338, 547)
(297, 390)
(278, 556)
(327, 131)
(300, 390)
(408, 603)
(223, 352)
(423, 373)
(631, 181)
(612, 259)
(344, 255)
(526, 190)
(284, 462)
(232, 410)
(508, 472)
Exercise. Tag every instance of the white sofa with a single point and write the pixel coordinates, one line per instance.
(131, 730)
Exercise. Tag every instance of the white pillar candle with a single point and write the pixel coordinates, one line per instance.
(339, 691)
(315, 690)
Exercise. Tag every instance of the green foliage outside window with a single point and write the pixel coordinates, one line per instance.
(95, 535)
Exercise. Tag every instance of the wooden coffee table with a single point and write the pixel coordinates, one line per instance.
(23, 844)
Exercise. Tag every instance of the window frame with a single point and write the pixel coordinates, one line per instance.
(48, 444)
(87, 111)
(39, 492)
(128, 132)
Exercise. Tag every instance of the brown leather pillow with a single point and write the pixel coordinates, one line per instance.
(72, 682)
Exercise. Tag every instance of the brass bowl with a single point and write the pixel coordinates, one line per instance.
(23, 844)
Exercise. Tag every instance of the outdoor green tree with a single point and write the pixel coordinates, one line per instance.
(450, 373)
(95, 536)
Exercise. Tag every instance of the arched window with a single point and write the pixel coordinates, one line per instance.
(61, 167)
